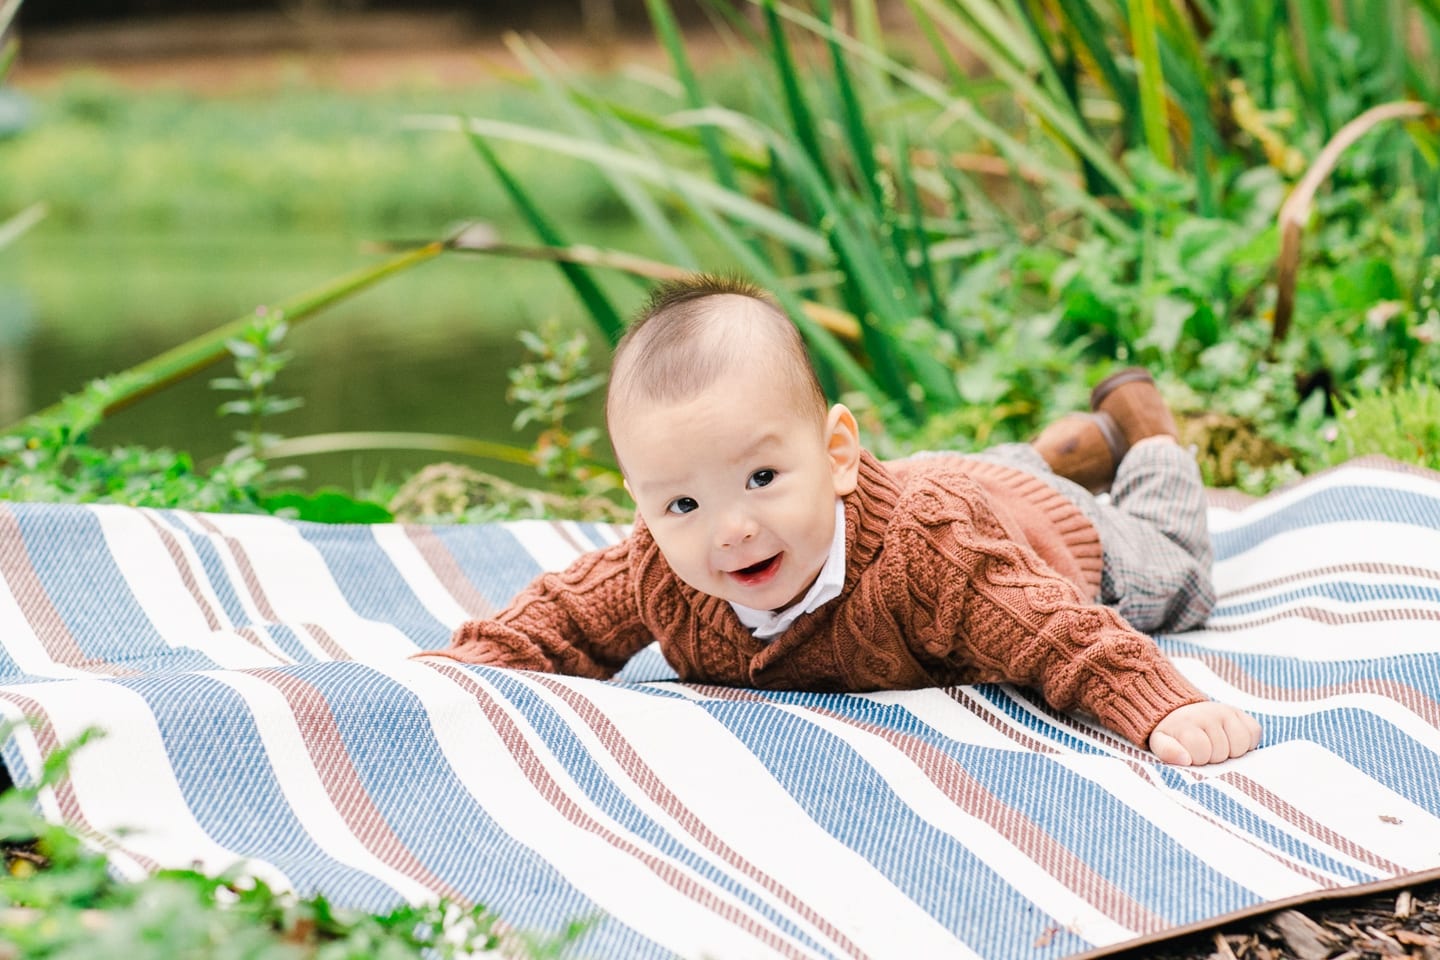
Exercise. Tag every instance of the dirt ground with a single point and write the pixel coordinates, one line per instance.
(257, 53)
(219, 54)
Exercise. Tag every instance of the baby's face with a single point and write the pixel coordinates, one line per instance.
(737, 487)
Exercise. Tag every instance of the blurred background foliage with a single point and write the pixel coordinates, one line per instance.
(1041, 188)
(974, 209)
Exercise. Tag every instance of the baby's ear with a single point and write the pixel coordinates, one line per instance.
(842, 441)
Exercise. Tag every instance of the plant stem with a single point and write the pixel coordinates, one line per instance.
(207, 349)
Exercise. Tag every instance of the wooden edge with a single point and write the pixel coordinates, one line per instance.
(1149, 941)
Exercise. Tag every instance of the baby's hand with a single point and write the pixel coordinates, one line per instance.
(1200, 733)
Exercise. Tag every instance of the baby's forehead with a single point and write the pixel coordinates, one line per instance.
(650, 463)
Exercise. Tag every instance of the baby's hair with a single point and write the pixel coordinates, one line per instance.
(692, 331)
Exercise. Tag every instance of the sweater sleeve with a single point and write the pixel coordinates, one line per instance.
(583, 621)
(991, 604)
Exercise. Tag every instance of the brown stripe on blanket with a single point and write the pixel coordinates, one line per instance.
(1328, 617)
(1393, 569)
(1310, 825)
(70, 810)
(1416, 701)
(44, 619)
(532, 766)
(182, 567)
(971, 796)
(442, 564)
(644, 777)
(261, 601)
(243, 564)
(326, 747)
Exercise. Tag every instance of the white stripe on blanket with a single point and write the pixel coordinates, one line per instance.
(251, 676)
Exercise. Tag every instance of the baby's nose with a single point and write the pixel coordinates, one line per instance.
(735, 530)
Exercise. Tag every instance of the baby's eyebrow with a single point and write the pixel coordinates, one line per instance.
(661, 483)
(755, 448)
(768, 439)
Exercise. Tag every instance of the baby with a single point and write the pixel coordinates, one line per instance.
(771, 550)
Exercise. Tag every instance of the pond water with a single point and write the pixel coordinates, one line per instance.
(425, 351)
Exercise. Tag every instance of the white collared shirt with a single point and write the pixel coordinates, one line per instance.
(827, 586)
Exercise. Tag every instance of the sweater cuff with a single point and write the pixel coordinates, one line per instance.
(1135, 709)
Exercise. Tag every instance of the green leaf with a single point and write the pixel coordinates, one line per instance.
(673, 41)
(595, 126)
(802, 124)
(1145, 44)
(601, 310)
(11, 229)
(326, 505)
(755, 214)
(242, 408)
(1167, 323)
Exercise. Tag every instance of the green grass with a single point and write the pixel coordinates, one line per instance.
(1402, 424)
(303, 159)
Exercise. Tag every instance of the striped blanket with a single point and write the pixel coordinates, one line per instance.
(251, 676)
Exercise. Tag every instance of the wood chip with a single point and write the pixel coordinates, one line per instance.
(1222, 949)
(1304, 936)
(1404, 904)
(1380, 935)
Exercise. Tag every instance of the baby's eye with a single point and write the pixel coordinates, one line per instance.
(761, 478)
(682, 505)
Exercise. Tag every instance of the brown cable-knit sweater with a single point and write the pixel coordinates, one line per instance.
(944, 584)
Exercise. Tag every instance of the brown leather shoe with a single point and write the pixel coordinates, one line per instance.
(1132, 398)
(1085, 447)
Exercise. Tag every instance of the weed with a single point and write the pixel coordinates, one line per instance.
(258, 361)
(1402, 423)
(52, 460)
(59, 899)
(548, 388)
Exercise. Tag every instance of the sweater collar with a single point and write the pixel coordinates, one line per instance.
(867, 513)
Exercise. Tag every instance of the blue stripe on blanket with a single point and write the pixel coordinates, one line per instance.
(847, 798)
(70, 558)
(568, 749)
(495, 562)
(371, 585)
(216, 576)
(238, 802)
(400, 771)
(1375, 747)
(1337, 590)
(1349, 504)
(385, 736)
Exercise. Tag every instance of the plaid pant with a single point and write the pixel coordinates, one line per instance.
(1152, 525)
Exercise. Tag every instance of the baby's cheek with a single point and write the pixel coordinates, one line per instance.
(684, 561)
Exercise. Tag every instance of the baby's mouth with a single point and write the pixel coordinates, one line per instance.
(758, 572)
